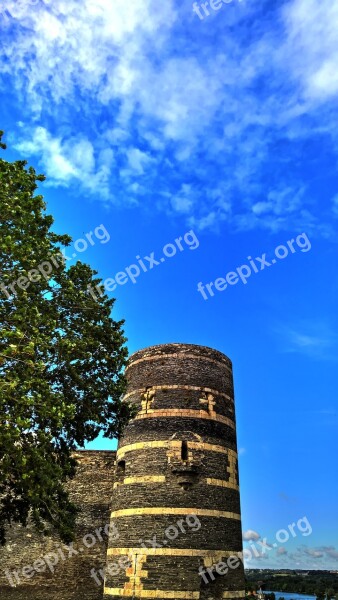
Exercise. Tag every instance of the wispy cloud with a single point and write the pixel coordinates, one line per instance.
(200, 119)
(314, 339)
(67, 162)
(286, 497)
(303, 557)
(330, 551)
(321, 554)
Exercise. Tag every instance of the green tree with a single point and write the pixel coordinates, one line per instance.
(329, 593)
(61, 360)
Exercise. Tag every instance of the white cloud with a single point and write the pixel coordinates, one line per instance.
(313, 553)
(71, 159)
(137, 160)
(312, 35)
(53, 155)
(319, 553)
(122, 78)
(251, 535)
(184, 201)
(330, 551)
(261, 207)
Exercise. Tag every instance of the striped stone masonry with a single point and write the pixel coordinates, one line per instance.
(176, 502)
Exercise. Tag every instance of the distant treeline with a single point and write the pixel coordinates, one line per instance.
(321, 584)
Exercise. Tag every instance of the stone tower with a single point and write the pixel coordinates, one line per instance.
(176, 502)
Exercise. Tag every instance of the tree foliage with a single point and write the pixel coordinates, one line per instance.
(61, 360)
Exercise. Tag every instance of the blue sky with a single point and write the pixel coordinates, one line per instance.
(153, 123)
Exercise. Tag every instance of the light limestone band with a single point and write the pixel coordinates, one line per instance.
(216, 555)
(140, 479)
(172, 444)
(189, 413)
(175, 595)
(135, 588)
(194, 356)
(159, 510)
(165, 594)
(162, 479)
(195, 388)
(222, 483)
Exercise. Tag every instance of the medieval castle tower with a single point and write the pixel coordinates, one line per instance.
(176, 460)
(170, 493)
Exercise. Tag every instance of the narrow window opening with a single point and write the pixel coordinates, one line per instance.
(184, 450)
(121, 467)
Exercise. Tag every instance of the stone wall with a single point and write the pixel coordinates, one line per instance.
(91, 490)
(171, 494)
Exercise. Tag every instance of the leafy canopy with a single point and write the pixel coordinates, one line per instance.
(61, 360)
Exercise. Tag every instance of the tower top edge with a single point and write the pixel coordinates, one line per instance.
(181, 349)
